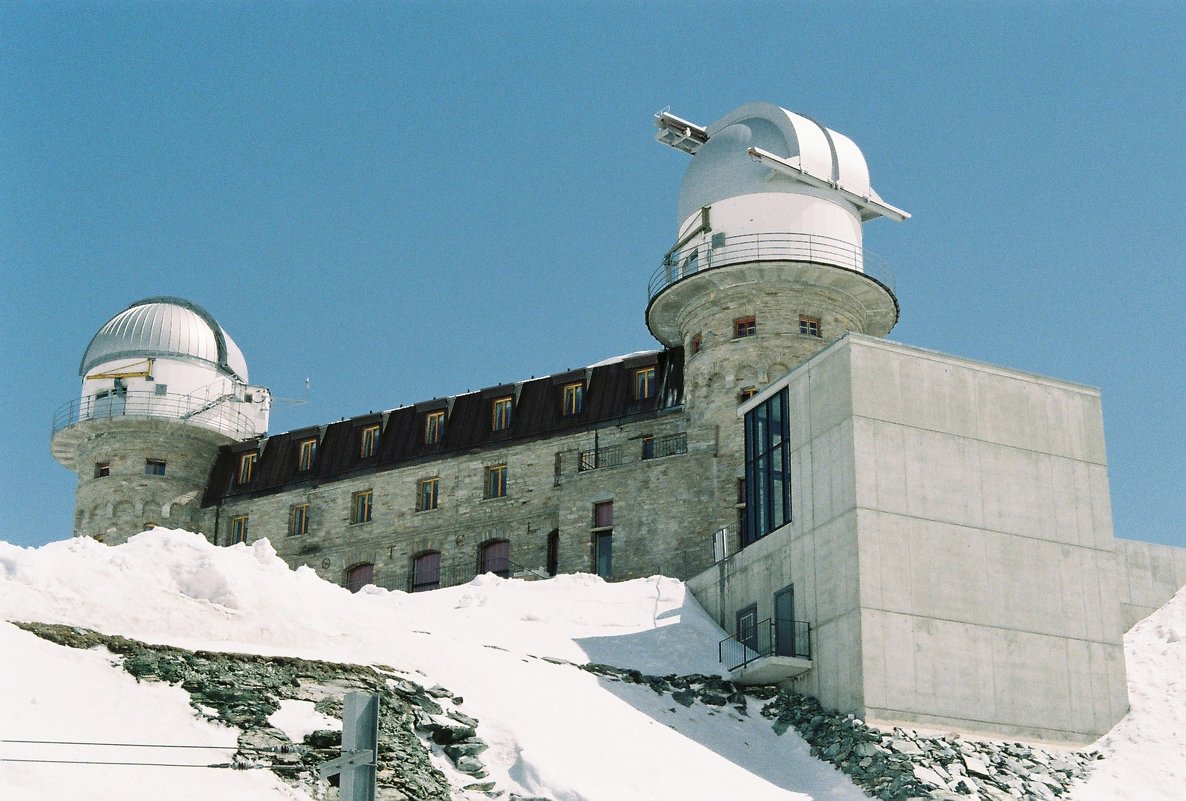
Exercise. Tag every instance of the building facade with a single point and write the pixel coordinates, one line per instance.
(906, 535)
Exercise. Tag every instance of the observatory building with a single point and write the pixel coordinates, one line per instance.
(906, 535)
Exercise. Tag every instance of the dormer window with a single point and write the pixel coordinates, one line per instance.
(306, 453)
(434, 427)
(644, 383)
(247, 467)
(368, 441)
(573, 399)
(501, 414)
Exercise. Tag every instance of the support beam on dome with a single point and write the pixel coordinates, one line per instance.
(870, 206)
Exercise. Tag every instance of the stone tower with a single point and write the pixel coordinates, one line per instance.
(163, 386)
(768, 265)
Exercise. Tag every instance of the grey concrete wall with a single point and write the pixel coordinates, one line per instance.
(951, 545)
(817, 552)
(1148, 575)
(986, 550)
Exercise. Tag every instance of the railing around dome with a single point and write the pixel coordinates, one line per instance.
(720, 250)
(213, 412)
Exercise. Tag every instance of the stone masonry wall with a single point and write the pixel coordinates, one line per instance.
(663, 517)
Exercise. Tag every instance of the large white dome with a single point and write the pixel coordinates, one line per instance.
(169, 328)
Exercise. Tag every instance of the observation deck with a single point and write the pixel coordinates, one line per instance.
(73, 419)
(797, 259)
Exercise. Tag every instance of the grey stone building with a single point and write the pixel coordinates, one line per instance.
(909, 536)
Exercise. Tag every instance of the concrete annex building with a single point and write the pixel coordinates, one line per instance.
(906, 535)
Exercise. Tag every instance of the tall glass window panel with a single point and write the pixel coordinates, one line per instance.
(767, 467)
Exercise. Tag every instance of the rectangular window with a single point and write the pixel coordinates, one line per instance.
(648, 447)
(767, 467)
(496, 481)
(574, 399)
(744, 327)
(298, 520)
(603, 554)
(247, 467)
(360, 506)
(102, 469)
(501, 414)
(162, 390)
(697, 344)
(434, 427)
(746, 394)
(644, 383)
(238, 529)
(809, 326)
(603, 514)
(306, 454)
(368, 444)
(426, 498)
(154, 467)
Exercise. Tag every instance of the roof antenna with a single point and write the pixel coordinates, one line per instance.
(296, 401)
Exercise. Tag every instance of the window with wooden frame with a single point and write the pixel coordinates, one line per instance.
(496, 481)
(360, 506)
(500, 414)
(696, 344)
(368, 441)
(744, 327)
(247, 467)
(746, 393)
(306, 454)
(298, 519)
(573, 399)
(426, 571)
(238, 529)
(434, 427)
(644, 383)
(809, 326)
(426, 494)
(102, 469)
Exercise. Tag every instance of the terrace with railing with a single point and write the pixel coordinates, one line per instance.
(721, 250)
(209, 411)
(767, 652)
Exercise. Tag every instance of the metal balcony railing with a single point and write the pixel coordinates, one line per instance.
(768, 638)
(598, 458)
(667, 445)
(720, 250)
(202, 410)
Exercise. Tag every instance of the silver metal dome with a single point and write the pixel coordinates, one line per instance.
(165, 327)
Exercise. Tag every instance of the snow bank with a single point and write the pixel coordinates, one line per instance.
(1145, 754)
(553, 730)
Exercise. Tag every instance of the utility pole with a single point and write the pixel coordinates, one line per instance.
(360, 746)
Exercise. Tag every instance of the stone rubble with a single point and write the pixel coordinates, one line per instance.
(891, 765)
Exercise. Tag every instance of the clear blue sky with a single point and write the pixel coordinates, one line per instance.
(409, 200)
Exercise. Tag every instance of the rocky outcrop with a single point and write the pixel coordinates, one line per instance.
(892, 765)
(243, 690)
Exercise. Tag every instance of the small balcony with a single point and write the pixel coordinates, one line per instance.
(770, 652)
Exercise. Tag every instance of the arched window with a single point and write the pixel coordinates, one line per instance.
(359, 576)
(426, 571)
(496, 558)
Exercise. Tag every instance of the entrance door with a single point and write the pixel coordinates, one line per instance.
(784, 622)
(747, 627)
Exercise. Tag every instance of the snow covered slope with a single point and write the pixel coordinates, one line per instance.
(554, 731)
